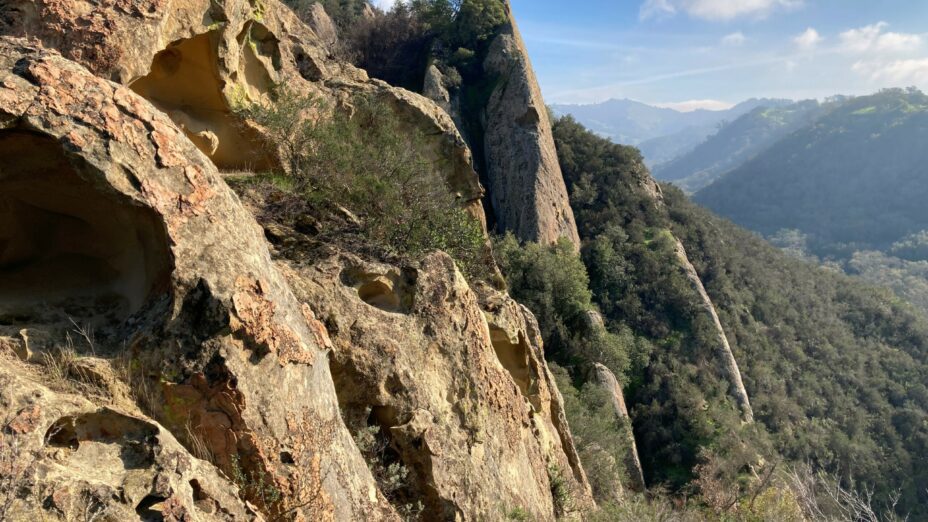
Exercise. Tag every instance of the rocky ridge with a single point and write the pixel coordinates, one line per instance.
(527, 189)
(187, 304)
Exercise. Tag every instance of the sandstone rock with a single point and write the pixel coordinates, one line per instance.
(434, 88)
(607, 380)
(71, 459)
(200, 60)
(111, 217)
(725, 356)
(462, 391)
(526, 186)
(321, 23)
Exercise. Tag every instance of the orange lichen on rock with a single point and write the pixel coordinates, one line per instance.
(254, 320)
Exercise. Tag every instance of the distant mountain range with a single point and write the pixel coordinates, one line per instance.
(662, 134)
(737, 142)
(854, 178)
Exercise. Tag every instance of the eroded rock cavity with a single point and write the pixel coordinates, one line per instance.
(66, 247)
(185, 83)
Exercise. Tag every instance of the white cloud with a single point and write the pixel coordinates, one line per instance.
(717, 10)
(885, 58)
(897, 73)
(694, 105)
(656, 9)
(734, 39)
(808, 40)
(874, 39)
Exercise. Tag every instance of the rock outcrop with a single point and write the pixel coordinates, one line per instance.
(131, 275)
(200, 60)
(71, 456)
(724, 354)
(455, 380)
(524, 178)
(112, 218)
(608, 382)
(726, 358)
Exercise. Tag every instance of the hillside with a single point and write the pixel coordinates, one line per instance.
(736, 143)
(851, 181)
(662, 133)
(835, 370)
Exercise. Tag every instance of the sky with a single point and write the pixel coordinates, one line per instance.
(714, 53)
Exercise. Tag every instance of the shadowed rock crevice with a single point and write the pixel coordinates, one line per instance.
(66, 247)
(514, 356)
(184, 81)
(102, 435)
(391, 291)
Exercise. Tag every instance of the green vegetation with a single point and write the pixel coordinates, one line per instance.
(560, 492)
(681, 409)
(598, 434)
(851, 181)
(391, 474)
(365, 178)
(836, 370)
(737, 142)
(552, 282)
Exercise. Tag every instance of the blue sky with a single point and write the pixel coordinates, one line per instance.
(714, 53)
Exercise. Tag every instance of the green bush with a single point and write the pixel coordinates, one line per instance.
(373, 166)
(598, 434)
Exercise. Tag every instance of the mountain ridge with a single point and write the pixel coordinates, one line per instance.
(632, 122)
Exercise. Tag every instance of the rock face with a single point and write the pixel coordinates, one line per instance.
(457, 382)
(200, 60)
(725, 356)
(112, 218)
(162, 365)
(607, 380)
(526, 186)
(86, 460)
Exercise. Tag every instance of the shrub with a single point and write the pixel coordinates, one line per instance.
(560, 491)
(392, 476)
(371, 165)
(598, 434)
(552, 282)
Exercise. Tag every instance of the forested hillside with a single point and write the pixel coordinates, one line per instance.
(836, 370)
(852, 181)
(736, 143)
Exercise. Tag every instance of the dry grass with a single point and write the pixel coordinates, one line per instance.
(66, 372)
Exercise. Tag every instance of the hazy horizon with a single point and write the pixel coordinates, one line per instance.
(714, 54)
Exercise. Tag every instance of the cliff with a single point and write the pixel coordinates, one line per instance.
(165, 364)
(526, 187)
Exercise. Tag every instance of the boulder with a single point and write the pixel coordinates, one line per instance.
(116, 226)
(455, 380)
